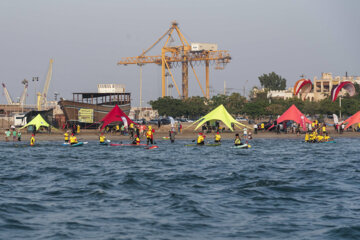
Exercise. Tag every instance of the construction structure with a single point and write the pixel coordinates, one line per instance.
(186, 54)
(22, 98)
(41, 97)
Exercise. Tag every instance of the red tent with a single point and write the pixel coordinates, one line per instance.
(352, 120)
(115, 115)
(294, 114)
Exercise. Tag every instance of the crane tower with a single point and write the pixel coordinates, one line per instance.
(186, 55)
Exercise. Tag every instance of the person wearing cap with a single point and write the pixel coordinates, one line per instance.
(136, 140)
(217, 137)
(201, 139)
(149, 136)
(66, 136)
(73, 139)
(32, 140)
(102, 138)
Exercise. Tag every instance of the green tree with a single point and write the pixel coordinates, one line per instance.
(169, 106)
(272, 81)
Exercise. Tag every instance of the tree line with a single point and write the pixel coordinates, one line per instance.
(257, 106)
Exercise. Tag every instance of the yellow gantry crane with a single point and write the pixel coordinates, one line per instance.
(184, 54)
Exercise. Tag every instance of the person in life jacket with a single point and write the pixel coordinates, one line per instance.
(73, 139)
(131, 130)
(237, 141)
(307, 137)
(102, 138)
(217, 137)
(324, 128)
(136, 140)
(201, 139)
(66, 136)
(172, 136)
(320, 138)
(149, 136)
(32, 140)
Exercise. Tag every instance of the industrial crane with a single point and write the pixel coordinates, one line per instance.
(41, 97)
(7, 95)
(183, 54)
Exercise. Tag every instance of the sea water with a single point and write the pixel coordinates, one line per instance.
(278, 189)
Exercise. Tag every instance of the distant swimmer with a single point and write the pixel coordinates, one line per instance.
(136, 140)
(66, 136)
(32, 140)
(19, 136)
(201, 139)
(73, 139)
(102, 138)
(217, 137)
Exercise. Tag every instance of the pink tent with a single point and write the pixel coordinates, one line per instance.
(115, 115)
(352, 120)
(294, 114)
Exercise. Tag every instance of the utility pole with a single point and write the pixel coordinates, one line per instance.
(224, 87)
(245, 88)
(140, 104)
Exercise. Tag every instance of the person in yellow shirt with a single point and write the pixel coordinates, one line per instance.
(102, 138)
(324, 128)
(237, 141)
(78, 129)
(319, 138)
(217, 137)
(66, 136)
(32, 140)
(117, 128)
(201, 139)
(263, 126)
(307, 137)
(73, 139)
(149, 136)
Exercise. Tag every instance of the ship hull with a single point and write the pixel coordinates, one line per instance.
(71, 110)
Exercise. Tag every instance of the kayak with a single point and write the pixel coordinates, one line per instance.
(104, 143)
(207, 145)
(245, 146)
(126, 145)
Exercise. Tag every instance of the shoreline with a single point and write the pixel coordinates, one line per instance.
(186, 135)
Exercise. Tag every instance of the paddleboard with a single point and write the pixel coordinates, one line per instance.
(152, 147)
(242, 146)
(127, 145)
(78, 144)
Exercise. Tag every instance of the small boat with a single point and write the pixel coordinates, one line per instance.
(104, 143)
(152, 147)
(76, 144)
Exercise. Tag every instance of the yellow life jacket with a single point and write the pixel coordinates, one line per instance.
(149, 134)
(131, 125)
(78, 129)
(217, 137)
(73, 139)
(137, 140)
(102, 138)
(200, 139)
(307, 137)
(327, 138)
(117, 127)
(237, 141)
(32, 141)
(262, 126)
(319, 138)
(66, 135)
(324, 129)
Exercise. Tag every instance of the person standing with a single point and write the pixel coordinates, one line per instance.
(7, 135)
(14, 133)
(19, 136)
(66, 136)
(78, 129)
(149, 136)
(255, 128)
(172, 136)
(245, 133)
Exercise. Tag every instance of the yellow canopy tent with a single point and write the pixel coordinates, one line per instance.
(38, 122)
(220, 113)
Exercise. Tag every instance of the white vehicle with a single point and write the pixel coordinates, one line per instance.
(19, 120)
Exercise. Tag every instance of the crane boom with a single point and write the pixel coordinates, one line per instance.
(47, 83)
(23, 95)
(7, 95)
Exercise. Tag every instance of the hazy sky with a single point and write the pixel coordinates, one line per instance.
(87, 38)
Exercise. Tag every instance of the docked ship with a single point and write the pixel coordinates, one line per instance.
(90, 107)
